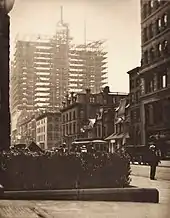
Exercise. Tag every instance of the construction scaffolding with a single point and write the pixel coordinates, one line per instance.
(87, 67)
(45, 68)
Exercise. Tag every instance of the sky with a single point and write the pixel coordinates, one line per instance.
(116, 21)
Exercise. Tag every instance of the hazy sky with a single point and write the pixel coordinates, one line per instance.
(117, 21)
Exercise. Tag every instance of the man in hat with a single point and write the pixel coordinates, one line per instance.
(153, 160)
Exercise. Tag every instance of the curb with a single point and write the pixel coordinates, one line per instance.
(150, 195)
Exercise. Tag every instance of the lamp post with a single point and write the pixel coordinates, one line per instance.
(5, 8)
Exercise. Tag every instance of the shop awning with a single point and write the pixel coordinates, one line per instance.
(110, 137)
(99, 141)
(81, 142)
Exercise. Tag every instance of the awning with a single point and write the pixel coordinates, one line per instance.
(126, 135)
(114, 136)
(110, 137)
(119, 120)
(81, 142)
(99, 141)
(119, 136)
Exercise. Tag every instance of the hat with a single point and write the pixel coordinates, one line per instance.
(152, 147)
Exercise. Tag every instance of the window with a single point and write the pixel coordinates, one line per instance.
(63, 118)
(92, 99)
(146, 57)
(74, 115)
(114, 100)
(149, 114)
(144, 10)
(67, 129)
(74, 128)
(138, 114)
(165, 47)
(149, 84)
(150, 30)
(158, 112)
(50, 127)
(132, 84)
(152, 55)
(158, 25)
(165, 20)
(137, 96)
(164, 81)
(132, 98)
(149, 8)
(159, 49)
(145, 35)
(152, 4)
(67, 117)
(70, 117)
(137, 82)
(70, 132)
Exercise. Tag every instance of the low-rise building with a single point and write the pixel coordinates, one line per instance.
(48, 130)
(25, 131)
(120, 136)
(134, 109)
(88, 115)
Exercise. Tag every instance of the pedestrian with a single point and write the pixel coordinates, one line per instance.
(153, 161)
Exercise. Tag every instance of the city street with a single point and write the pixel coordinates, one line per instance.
(74, 209)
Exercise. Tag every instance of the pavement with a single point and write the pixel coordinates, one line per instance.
(163, 163)
(162, 173)
(88, 209)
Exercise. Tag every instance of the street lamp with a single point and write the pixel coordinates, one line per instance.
(5, 7)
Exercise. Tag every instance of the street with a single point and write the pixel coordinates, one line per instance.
(88, 209)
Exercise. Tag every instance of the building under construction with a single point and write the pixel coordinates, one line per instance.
(45, 68)
(87, 67)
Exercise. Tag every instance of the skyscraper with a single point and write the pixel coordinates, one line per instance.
(45, 68)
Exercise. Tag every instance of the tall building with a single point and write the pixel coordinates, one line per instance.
(155, 69)
(87, 67)
(154, 74)
(45, 68)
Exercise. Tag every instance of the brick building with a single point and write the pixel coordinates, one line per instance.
(88, 115)
(134, 109)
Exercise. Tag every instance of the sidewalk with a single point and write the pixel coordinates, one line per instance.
(163, 186)
(93, 209)
(164, 163)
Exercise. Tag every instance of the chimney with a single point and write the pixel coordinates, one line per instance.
(106, 90)
(88, 91)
